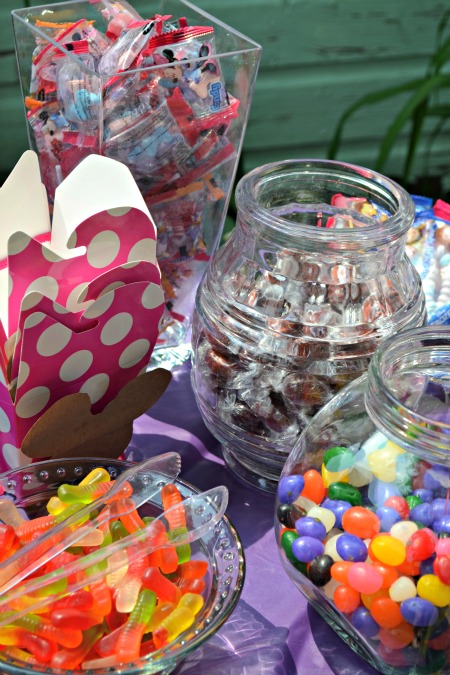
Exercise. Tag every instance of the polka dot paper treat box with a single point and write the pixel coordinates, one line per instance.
(80, 306)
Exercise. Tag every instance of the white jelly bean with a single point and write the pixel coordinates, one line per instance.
(402, 589)
(403, 530)
(330, 547)
(305, 503)
(326, 516)
(360, 475)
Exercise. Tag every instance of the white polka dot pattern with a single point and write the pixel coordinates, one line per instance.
(61, 349)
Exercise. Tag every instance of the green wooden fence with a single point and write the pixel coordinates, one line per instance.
(319, 56)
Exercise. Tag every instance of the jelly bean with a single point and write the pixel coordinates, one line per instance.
(379, 491)
(288, 514)
(413, 501)
(338, 507)
(387, 517)
(304, 503)
(387, 549)
(331, 546)
(339, 452)
(441, 641)
(383, 462)
(307, 548)
(424, 494)
(389, 574)
(426, 566)
(402, 589)
(351, 548)
(314, 488)
(346, 599)
(363, 578)
(409, 569)
(319, 570)
(422, 513)
(403, 530)
(329, 477)
(398, 637)
(287, 539)
(399, 504)
(364, 623)
(441, 568)
(421, 545)
(360, 476)
(339, 571)
(310, 527)
(386, 612)
(439, 507)
(361, 522)
(443, 546)
(442, 524)
(289, 488)
(345, 492)
(419, 612)
(431, 588)
(431, 479)
(392, 657)
(369, 599)
(326, 516)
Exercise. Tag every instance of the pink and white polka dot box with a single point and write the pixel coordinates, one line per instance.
(81, 301)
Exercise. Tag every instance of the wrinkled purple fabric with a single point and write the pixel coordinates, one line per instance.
(273, 630)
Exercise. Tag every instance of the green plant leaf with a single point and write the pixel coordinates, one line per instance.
(422, 92)
(419, 116)
(368, 99)
(441, 110)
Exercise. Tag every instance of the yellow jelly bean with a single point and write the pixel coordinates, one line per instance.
(334, 476)
(431, 588)
(388, 550)
(383, 462)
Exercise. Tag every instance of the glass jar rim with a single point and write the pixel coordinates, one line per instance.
(377, 233)
(417, 433)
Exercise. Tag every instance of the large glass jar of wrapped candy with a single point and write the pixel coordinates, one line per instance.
(363, 509)
(295, 303)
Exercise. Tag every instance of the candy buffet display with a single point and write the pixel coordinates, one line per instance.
(166, 94)
(363, 507)
(111, 565)
(294, 305)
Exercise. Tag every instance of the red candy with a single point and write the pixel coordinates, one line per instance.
(314, 488)
(421, 545)
(399, 504)
(361, 522)
(346, 599)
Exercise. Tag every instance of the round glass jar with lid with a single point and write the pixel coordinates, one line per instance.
(293, 306)
(363, 511)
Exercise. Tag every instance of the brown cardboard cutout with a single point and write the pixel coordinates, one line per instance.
(69, 429)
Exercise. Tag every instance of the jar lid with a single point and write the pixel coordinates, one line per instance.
(408, 391)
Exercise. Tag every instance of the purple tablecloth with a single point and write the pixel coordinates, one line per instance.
(273, 630)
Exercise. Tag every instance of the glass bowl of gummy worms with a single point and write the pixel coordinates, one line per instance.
(185, 593)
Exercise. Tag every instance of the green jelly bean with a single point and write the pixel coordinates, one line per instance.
(335, 452)
(286, 542)
(413, 500)
(346, 492)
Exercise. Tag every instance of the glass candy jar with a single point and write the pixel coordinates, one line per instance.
(294, 305)
(363, 512)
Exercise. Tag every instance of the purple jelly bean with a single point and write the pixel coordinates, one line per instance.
(364, 623)
(439, 507)
(388, 517)
(426, 566)
(311, 527)
(339, 510)
(289, 488)
(419, 612)
(442, 524)
(307, 548)
(422, 513)
(425, 495)
(351, 548)
(436, 477)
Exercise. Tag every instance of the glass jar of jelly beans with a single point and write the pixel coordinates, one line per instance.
(293, 306)
(363, 507)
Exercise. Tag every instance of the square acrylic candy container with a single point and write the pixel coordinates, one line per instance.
(174, 113)
(32, 486)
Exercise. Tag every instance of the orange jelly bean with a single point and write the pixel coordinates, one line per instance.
(314, 488)
(386, 612)
(346, 599)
